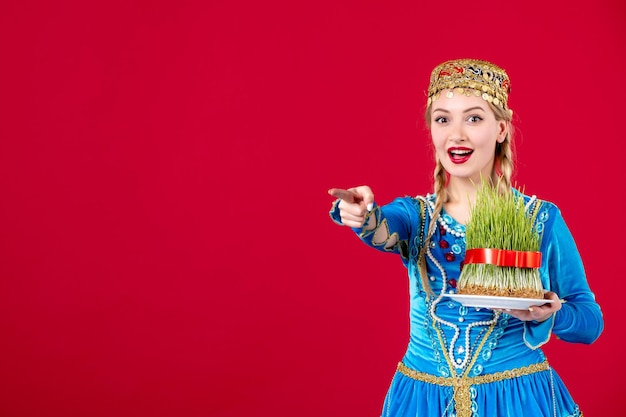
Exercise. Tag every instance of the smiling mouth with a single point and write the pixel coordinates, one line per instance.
(459, 155)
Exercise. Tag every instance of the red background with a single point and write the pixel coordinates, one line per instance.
(165, 244)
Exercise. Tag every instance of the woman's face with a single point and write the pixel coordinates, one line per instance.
(465, 131)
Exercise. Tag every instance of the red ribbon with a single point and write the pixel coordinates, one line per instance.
(501, 257)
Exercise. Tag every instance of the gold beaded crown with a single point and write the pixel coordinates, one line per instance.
(471, 77)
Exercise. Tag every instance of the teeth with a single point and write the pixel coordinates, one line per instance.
(459, 152)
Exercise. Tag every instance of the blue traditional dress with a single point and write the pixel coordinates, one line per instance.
(476, 362)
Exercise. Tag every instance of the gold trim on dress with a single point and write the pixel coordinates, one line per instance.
(461, 385)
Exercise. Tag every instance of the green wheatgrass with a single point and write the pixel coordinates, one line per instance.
(500, 222)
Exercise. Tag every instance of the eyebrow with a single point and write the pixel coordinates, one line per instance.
(464, 111)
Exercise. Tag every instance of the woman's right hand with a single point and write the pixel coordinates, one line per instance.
(355, 204)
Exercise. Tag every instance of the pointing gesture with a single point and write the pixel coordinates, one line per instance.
(355, 204)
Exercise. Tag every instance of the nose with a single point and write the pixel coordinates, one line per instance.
(457, 132)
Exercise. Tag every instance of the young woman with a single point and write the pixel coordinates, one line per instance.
(470, 361)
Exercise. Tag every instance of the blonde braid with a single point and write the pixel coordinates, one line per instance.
(503, 157)
(504, 153)
(441, 196)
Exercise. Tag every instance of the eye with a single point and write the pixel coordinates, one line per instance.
(440, 120)
(474, 119)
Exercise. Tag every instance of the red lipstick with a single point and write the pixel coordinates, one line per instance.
(459, 155)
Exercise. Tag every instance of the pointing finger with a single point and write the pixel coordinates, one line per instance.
(346, 195)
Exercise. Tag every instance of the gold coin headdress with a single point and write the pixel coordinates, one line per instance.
(471, 77)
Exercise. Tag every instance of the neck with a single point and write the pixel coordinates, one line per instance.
(461, 193)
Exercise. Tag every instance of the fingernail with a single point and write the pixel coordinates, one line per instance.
(530, 309)
(370, 206)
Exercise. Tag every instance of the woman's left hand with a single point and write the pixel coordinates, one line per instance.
(538, 313)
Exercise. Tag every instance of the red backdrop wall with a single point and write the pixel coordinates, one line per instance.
(165, 245)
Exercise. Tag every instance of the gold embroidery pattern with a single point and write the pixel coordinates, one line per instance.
(461, 385)
(470, 77)
(461, 395)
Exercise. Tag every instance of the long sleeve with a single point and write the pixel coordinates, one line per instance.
(394, 225)
(580, 319)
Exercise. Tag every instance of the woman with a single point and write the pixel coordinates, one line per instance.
(465, 361)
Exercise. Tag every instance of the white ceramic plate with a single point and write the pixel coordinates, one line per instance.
(491, 301)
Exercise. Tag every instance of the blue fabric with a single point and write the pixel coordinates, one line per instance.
(448, 339)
